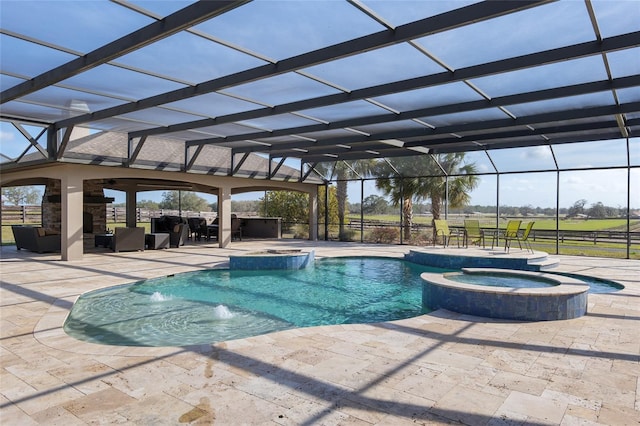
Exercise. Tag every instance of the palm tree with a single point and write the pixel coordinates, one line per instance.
(397, 179)
(399, 189)
(342, 171)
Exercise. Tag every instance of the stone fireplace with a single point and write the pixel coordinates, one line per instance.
(94, 212)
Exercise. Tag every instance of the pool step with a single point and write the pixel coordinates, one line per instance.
(457, 259)
(543, 263)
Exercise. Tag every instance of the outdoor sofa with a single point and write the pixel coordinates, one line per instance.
(35, 238)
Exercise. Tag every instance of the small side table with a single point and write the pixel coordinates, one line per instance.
(103, 240)
(156, 241)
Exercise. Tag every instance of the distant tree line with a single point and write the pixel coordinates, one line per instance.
(293, 206)
(191, 201)
(597, 210)
(377, 205)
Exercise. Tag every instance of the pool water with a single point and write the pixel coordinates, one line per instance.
(596, 285)
(501, 280)
(218, 305)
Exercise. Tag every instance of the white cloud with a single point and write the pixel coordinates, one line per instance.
(606, 186)
(537, 152)
(483, 168)
(573, 180)
(7, 136)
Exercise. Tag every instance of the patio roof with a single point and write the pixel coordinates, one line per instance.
(324, 80)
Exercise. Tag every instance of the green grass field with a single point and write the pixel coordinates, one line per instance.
(540, 224)
(585, 225)
(568, 247)
(580, 248)
(543, 224)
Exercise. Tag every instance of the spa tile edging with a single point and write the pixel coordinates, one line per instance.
(567, 300)
(531, 262)
(258, 261)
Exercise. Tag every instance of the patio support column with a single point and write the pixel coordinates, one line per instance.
(401, 208)
(628, 200)
(558, 212)
(224, 216)
(313, 213)
(326, 211)
(497, 205)
(71, 216)
(446, 197)
(361, 210)
(131, 208)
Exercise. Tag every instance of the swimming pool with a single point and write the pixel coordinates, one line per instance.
(218, 305)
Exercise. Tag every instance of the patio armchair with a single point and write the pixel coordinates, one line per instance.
(206, 230)
(178, 235)
(128, 239)
(525, 236)
(194, 227)
(473, 232)
(198, 228)
(510, 234)
(441, 228)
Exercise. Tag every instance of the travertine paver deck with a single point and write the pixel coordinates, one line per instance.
(434, 369)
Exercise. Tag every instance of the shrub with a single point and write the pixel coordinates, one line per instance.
(420, 238)
(384, 235)
(348, 235)
(300, 231)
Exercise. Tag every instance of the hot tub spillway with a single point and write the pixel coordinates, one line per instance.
(565, 298)
(272, 259)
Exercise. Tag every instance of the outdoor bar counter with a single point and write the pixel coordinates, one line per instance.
(261, 227)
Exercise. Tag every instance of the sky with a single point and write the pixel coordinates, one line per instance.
(566, 25)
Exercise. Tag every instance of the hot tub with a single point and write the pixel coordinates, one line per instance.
(563, 298)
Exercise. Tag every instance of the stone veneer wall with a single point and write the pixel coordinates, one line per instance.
(52, 211)
(93, 188)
